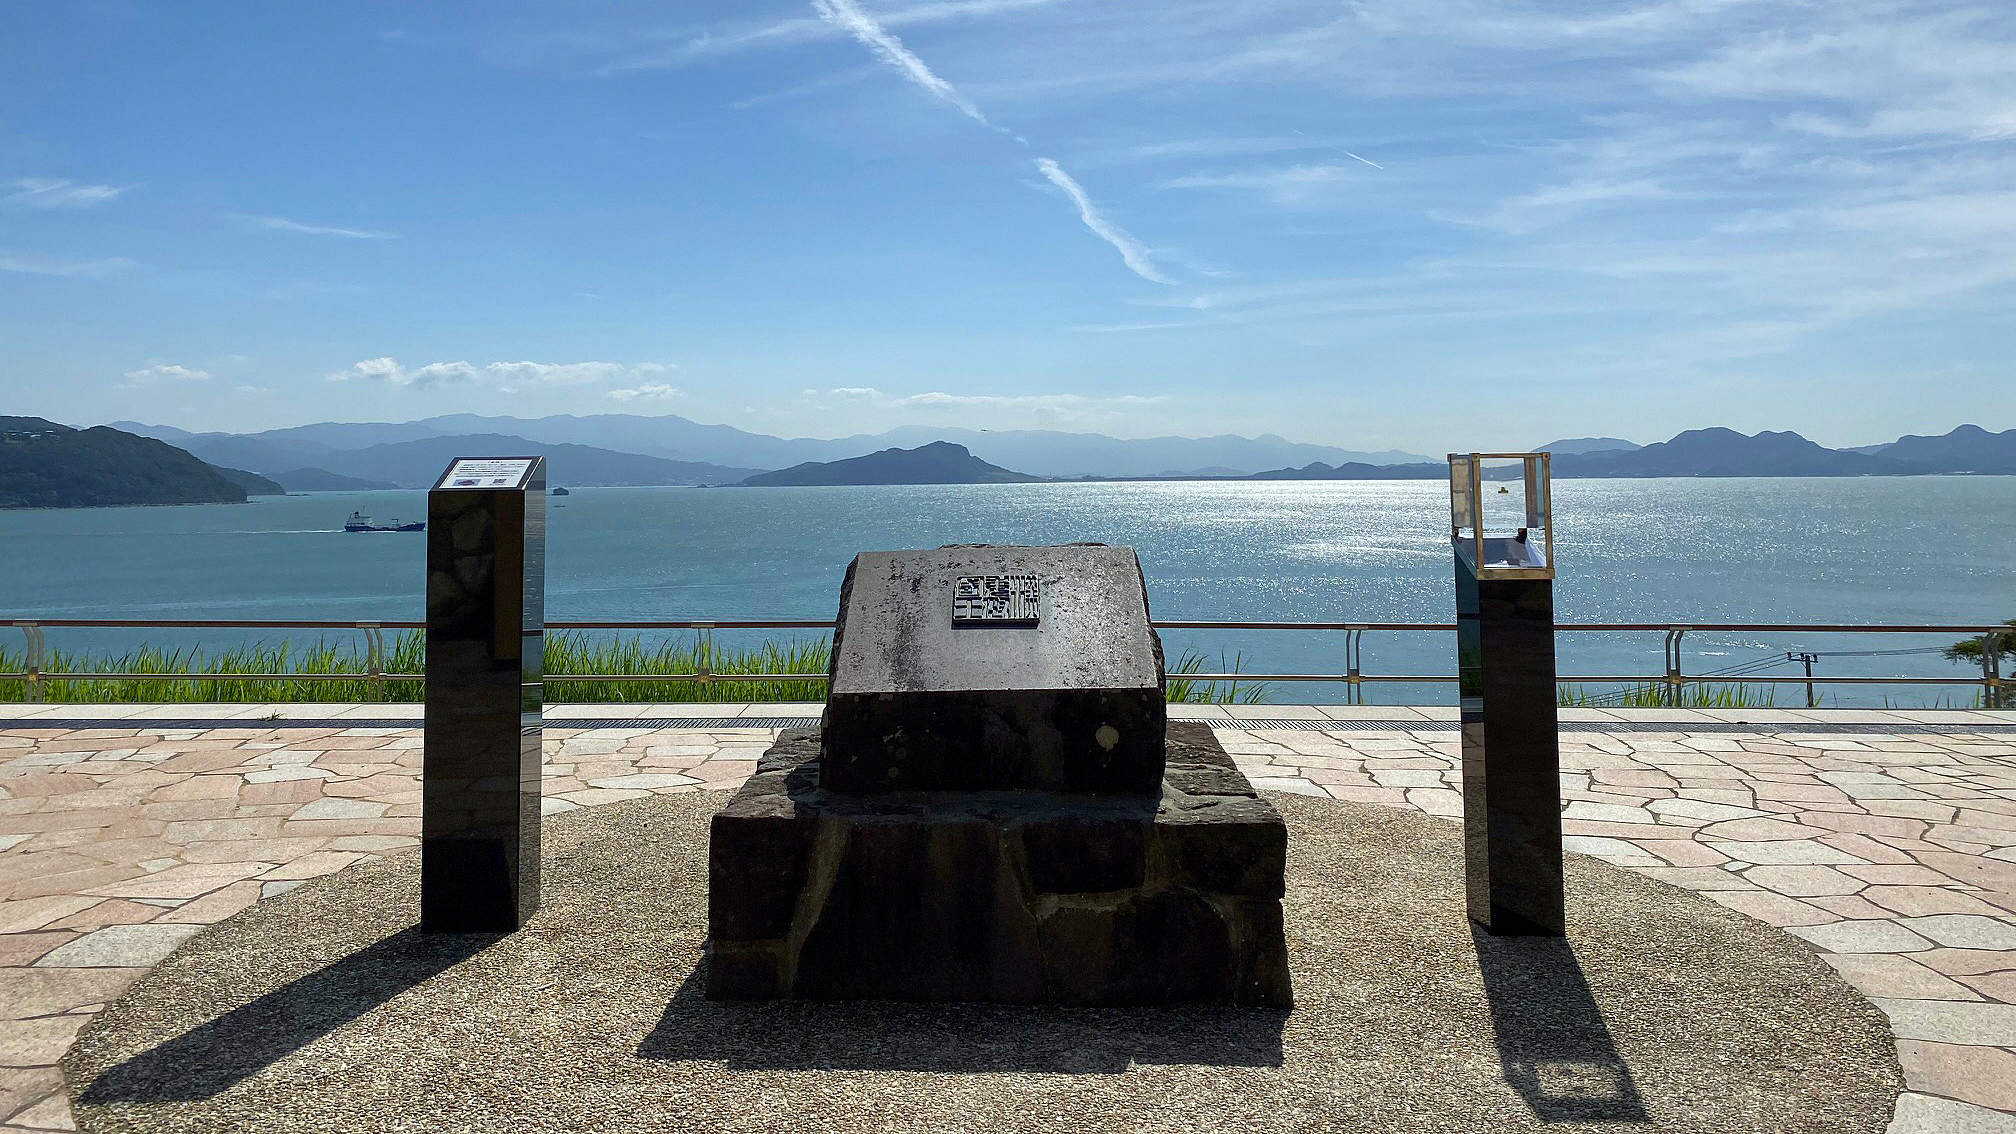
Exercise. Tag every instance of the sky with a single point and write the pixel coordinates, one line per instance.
(1435, 225)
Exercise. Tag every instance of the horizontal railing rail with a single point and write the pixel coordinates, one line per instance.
(1997, 639)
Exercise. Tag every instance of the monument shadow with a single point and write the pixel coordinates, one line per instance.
(867, 1035)
(213, 1057)
(1555, 1049)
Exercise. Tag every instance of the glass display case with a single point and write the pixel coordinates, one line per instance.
(1501, 515)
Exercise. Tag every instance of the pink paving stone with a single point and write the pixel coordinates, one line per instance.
(112, 911)
(1899, 978)
(1803, 881)
(1760, 830)
(26, 992)
(1967, 962)
(39, 1042)
(1392, 797)
(312, 866)
(36, 913)
(1771, 909)
(1866, 848)
(180, 881)
(1983, 873)
(1851, 906)
(1994, 986)
(1984, 1076)
(216, 905)
(23, 948)
(1684, 852)
(1919, 901)
(1898, 875)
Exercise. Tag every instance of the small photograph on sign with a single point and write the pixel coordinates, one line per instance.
(1000, 600)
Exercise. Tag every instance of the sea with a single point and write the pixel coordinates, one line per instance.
(1898, 550)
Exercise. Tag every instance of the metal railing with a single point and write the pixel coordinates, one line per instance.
(1674, 680)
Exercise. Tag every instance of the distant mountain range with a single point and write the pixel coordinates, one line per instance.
(1725, 452)
(309, 459)
(47, 465)
(628, 449)
(1040, 452)
(939, 462)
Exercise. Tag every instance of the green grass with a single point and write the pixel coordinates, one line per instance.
(566, 653)
(1655, 696)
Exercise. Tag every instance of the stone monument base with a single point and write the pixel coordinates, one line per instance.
(1014, 897)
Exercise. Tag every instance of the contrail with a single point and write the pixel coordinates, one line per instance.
(1355, 157)
(848, 16)
(1130, 249)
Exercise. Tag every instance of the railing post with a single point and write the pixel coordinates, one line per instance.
(32, 662)
(1676, 682)
(374, 658)
(703, 652)
(1354, 647)
(1991, 671)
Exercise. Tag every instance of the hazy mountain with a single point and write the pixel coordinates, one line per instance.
(353, 435)
(1359, 470)
(1046, 452)
(322, 480)
(1725, 452)
(939, 462)
(1575, 446)
(47, 465)
(416, 464)
(1968, 449)
(1051, 453)
(251, 482)
(166, 433)
(254, 452)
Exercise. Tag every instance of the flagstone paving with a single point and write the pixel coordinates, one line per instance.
(1892, 853)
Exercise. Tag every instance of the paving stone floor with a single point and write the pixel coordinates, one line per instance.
(1885, 839)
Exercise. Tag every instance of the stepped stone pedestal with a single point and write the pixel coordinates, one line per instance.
(996, 809)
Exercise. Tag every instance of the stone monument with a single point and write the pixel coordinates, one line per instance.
(995, 807)
(486, 633)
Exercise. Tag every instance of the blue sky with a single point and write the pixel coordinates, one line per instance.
(1429, 224)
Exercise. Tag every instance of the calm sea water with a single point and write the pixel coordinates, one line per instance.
(1899, 550)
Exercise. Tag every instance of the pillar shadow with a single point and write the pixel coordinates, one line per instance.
(213, 1057)
(1552, 1042)
(801, 1035)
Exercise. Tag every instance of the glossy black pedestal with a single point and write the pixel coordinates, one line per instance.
(479, 827)
(1511, 753)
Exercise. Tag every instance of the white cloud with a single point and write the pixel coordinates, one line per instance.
(163, 372)
(56, 193)
(39, 264)
(847, 15)
(1131, 251)
(648, 391)
(282, 224)
(502, 375)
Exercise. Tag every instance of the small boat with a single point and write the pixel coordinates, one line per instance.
(561, 492)
(359, 522)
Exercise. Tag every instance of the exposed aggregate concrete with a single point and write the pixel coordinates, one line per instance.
(321, 1011)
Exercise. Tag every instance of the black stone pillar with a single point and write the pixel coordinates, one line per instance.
(1511, 753)
(486, 631)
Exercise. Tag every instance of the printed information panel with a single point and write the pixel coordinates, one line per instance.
(487, 472)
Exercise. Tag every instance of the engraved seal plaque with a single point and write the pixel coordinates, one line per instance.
(1012, 600)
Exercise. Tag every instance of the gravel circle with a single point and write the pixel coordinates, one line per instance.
(322, 1010)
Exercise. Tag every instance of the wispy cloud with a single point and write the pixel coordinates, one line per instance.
(502, 375)
(1130, 249)
(282, 224)
(41, 264)
(159, 372)
(647, 392)
(682, 47)
(847, 15)
(55, 193)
